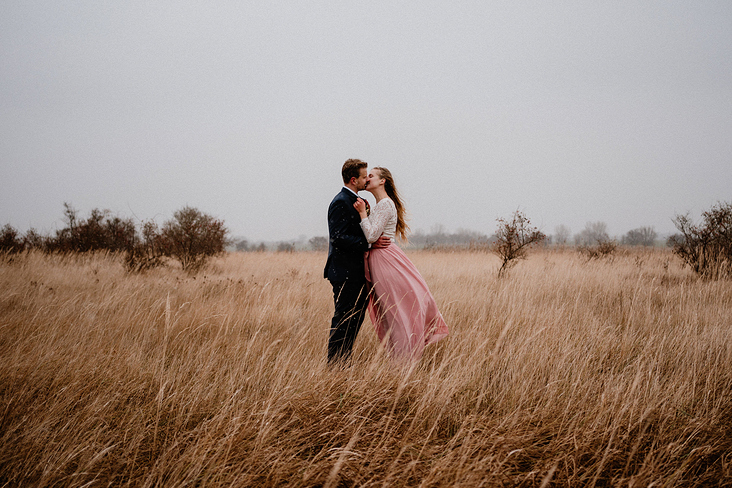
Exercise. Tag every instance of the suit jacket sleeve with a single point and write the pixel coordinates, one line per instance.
(341, 230)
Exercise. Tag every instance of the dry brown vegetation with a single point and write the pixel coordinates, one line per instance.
(567, 373)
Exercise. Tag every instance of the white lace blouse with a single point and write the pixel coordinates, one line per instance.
(382, 220)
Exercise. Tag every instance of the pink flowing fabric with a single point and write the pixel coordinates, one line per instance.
(401, 306)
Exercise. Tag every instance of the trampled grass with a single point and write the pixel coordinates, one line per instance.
(564, 373)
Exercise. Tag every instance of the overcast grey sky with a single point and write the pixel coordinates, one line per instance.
(571, 111)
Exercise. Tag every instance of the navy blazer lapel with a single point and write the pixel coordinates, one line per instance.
(349, 194)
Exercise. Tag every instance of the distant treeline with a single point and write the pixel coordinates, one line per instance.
(418, 240)
(191, 237)
(439, 238)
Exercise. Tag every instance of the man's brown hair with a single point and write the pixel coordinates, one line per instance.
(352, 169)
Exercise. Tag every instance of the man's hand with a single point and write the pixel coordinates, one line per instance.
(381, 242)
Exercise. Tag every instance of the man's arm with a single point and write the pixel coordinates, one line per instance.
(338, 226)
(381, 242)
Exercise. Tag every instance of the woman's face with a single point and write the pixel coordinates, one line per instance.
(374, 180)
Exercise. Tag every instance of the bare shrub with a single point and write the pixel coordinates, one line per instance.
(35, 240)
(10, 241)
(707, 247)
(192, 237)
(602, 249)
(101, 231)
(513, 240)
(594, 242)
(147, 251)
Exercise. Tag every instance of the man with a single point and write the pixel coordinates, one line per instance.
(345, 267)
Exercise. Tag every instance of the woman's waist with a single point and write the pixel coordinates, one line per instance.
(392, 239)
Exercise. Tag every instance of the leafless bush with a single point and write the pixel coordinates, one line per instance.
(513, 239)
(101, 231)
(192, 237)
(594, 242)
(706, 248)
(147, 251)
(10, 241)
(602, 249)
(35, 240)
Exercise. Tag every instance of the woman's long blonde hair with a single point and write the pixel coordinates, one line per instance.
(402, 229)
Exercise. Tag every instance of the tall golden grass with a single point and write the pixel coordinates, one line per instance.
(564, 373)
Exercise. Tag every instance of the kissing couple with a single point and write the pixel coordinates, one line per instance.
(369, 271)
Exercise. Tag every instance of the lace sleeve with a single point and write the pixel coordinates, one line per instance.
(374, 225)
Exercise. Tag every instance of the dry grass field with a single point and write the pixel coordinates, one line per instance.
(565, 373)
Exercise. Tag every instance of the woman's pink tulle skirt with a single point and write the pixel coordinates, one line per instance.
(401, 306)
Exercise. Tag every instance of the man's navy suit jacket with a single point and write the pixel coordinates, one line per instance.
(347, 243)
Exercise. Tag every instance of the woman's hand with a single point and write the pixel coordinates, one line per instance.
(360, 207)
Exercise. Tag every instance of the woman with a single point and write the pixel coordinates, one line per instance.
(400, 306)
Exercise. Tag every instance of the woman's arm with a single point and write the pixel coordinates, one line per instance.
(373, 226)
